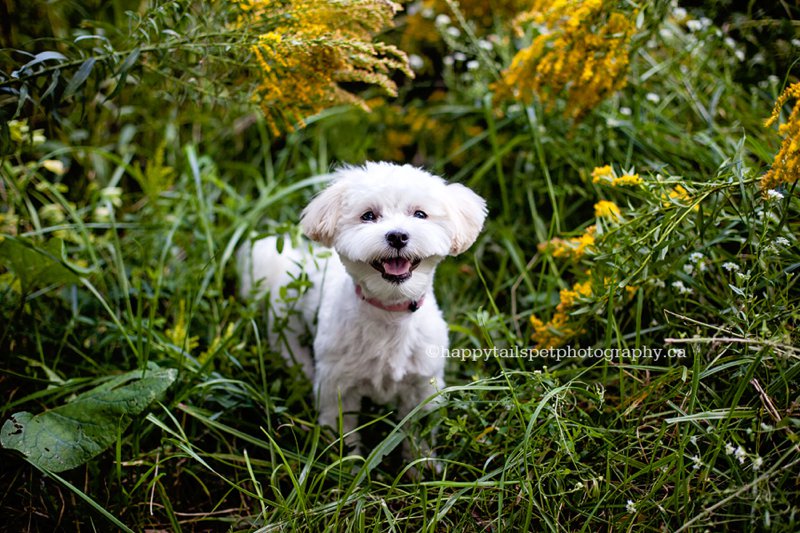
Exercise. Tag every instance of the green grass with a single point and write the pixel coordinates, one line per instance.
(100, 281)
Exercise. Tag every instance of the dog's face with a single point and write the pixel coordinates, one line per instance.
(391, 225)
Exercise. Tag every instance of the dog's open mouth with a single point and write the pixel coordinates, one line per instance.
(395, 269)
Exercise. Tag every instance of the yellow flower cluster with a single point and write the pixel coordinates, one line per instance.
(216, 343)
(558, 330)
(679, 195)
(312, 46)
(626, 179)
(602, 174)
(178, 334)
(581, 53)
(786, 165)
(606, 209)
(573, 248)
(605, 175)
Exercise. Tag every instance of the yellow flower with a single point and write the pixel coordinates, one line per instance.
(606, 209)
(605, 175)
(580, 289)
(630, 291)
(573, 248)
(551, 334)
(216, 343)
(786, 165)
(602, 174)
(582, 54)
(570, 296)
(678, 195)
(626, 179)
(178, 334)
(312, 47)
(557, 331)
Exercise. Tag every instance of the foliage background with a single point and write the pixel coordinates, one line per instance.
(137, 159)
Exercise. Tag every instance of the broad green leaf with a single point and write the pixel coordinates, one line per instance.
(36, 267)
(130, 61)
(72, 434)
(79, 77)
(41, 57)
(126, 65)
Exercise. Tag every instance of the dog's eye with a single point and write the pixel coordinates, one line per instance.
(420, 214)
(369, 216)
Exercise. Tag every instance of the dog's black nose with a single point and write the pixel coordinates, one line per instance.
(397, 239)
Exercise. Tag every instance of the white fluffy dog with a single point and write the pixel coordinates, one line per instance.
(378, 332)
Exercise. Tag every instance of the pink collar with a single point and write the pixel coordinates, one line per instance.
(409, 306)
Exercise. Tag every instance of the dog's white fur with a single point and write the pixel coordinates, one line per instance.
(361, 349)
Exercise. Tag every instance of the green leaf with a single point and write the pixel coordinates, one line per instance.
(36, 267)
(41, 57)
(122, 72)
(54, 79)
(129, 61)
(79, 77)
(74, 433)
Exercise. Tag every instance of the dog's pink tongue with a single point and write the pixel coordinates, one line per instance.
(397, 266)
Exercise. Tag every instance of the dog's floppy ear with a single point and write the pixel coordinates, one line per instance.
(468, 212)
(319, 218)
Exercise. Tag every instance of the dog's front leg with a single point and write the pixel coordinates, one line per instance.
(329, 400)
(420, 391)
